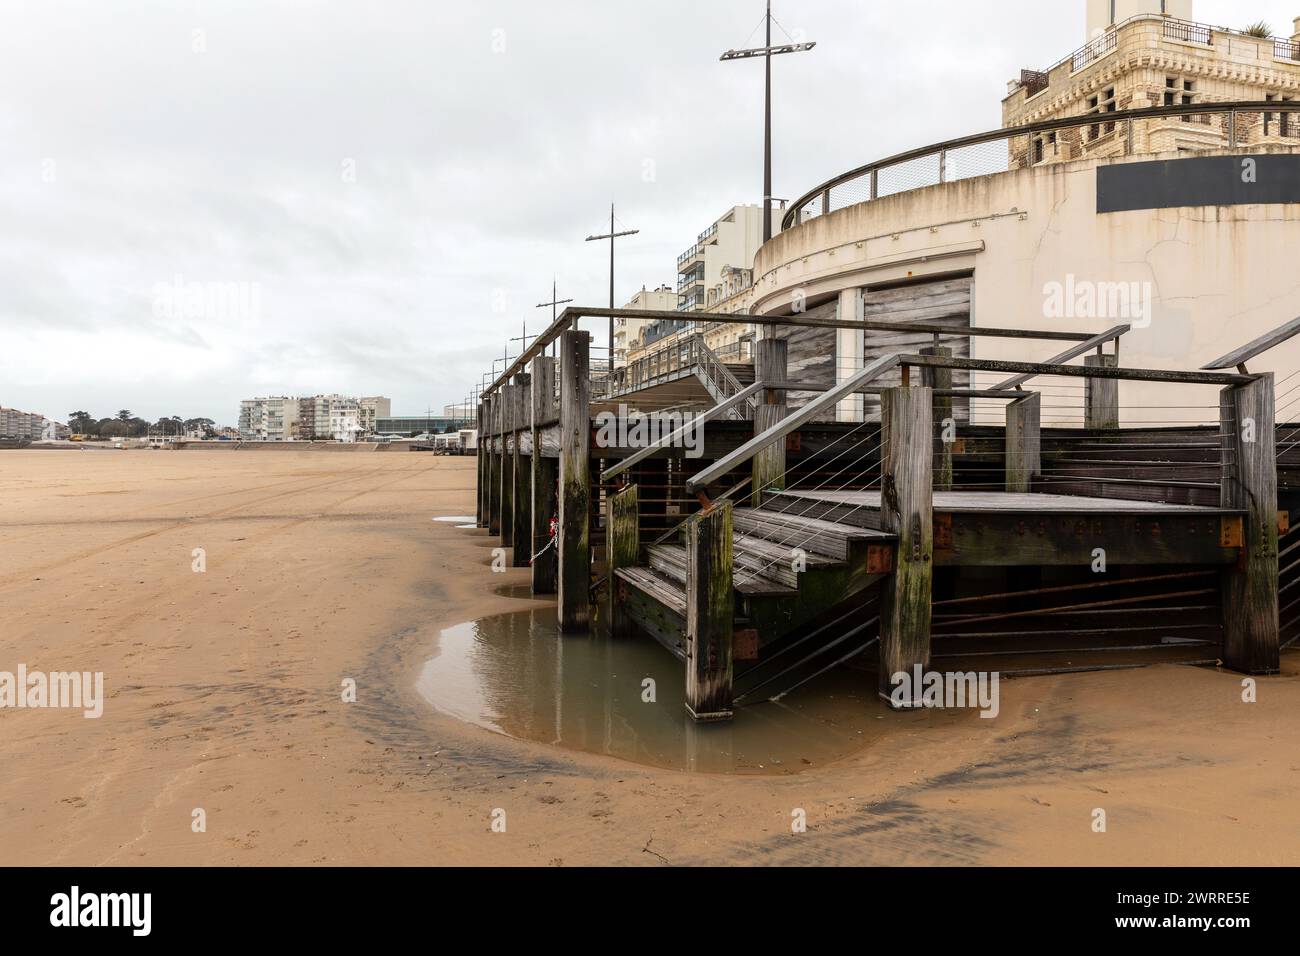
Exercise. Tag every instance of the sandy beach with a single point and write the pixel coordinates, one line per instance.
(224, 693)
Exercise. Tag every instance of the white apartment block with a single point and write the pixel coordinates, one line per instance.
(315, 418)
(628, 332)
(372, 409)
(268, 419)
(26, 426)
(721, 261)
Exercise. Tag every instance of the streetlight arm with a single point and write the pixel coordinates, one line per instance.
(767, 51)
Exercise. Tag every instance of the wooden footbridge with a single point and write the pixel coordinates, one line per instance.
(778, 542)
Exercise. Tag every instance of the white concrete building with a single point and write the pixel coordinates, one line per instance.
(721, 256)
(628, 332)
(372, 409)
(269, 419)
(1183, 224)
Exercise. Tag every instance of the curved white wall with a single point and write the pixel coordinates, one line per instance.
(1217, 276)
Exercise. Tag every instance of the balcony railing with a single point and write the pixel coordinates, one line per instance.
(1106, 43)
(1286, 50)
(1189, 32)
(1007, 150)
(690, 253)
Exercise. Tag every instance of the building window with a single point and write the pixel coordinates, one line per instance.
(1113, 5)
(1101, 104)
(1179, 92)
(1043, 145)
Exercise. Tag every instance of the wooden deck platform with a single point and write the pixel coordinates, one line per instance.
(962, 502)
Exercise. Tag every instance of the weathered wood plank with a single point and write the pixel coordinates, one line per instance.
(1251, 642)
(624, 551)
(509, 395)
(494, 465)
(710, 614)
(938, 380)
(574, 608)
(1101, 396)
(521, 467)
(1024, 450)
(545, 478)
(1269, 340)
(907, 487)
(771, 364)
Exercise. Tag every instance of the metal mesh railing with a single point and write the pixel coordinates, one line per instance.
(1185, 128)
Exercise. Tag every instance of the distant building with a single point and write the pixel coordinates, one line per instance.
(29, 426)
(722, 255)
(628, 332)
(314, 418)
(372, 409)
(1144, 53)
(411, 426)
(269, 419)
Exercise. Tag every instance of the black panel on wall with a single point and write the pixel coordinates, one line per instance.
(1199, 181)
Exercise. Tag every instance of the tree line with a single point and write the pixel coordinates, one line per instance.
(125, 424)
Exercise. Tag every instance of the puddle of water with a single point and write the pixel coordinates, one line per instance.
(523, 592)
(514, 674)
(460, 520)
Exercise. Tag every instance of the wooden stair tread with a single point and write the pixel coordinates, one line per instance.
(808, 534)
(656, 586)
(670, 559)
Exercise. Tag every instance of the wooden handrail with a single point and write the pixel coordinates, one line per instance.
(788, 424)
(1082, 348)
(720, 409)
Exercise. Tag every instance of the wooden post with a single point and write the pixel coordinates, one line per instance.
(522, 493)
(507, 477)
(1101, 395)
(494, 463)
(480, 483)
(545, 479)
(771, 364)
(945, 424)
(1249, 483)
(624, 548)
(710, 613)
(575, 481)
(1024, 454)
(907, 510)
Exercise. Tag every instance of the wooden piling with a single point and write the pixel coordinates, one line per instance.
(522, 494)
(1249, 482)
(624, 545)
(507, 476)
(574, 582)
(480, 463)
(494, 464)
(771, 364)
(941, 379)
(1024, 445)
(710, 614)
(907, 478)
(1101, 395)
(545, 477)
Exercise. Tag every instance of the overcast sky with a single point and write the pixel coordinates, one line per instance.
(388, 187)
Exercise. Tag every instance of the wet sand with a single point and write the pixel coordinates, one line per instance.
(224, 694)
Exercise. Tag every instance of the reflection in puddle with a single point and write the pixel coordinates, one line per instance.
(516, 675)
(523, 592)
(460, 520)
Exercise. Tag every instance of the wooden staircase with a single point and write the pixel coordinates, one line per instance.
(788, 570)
